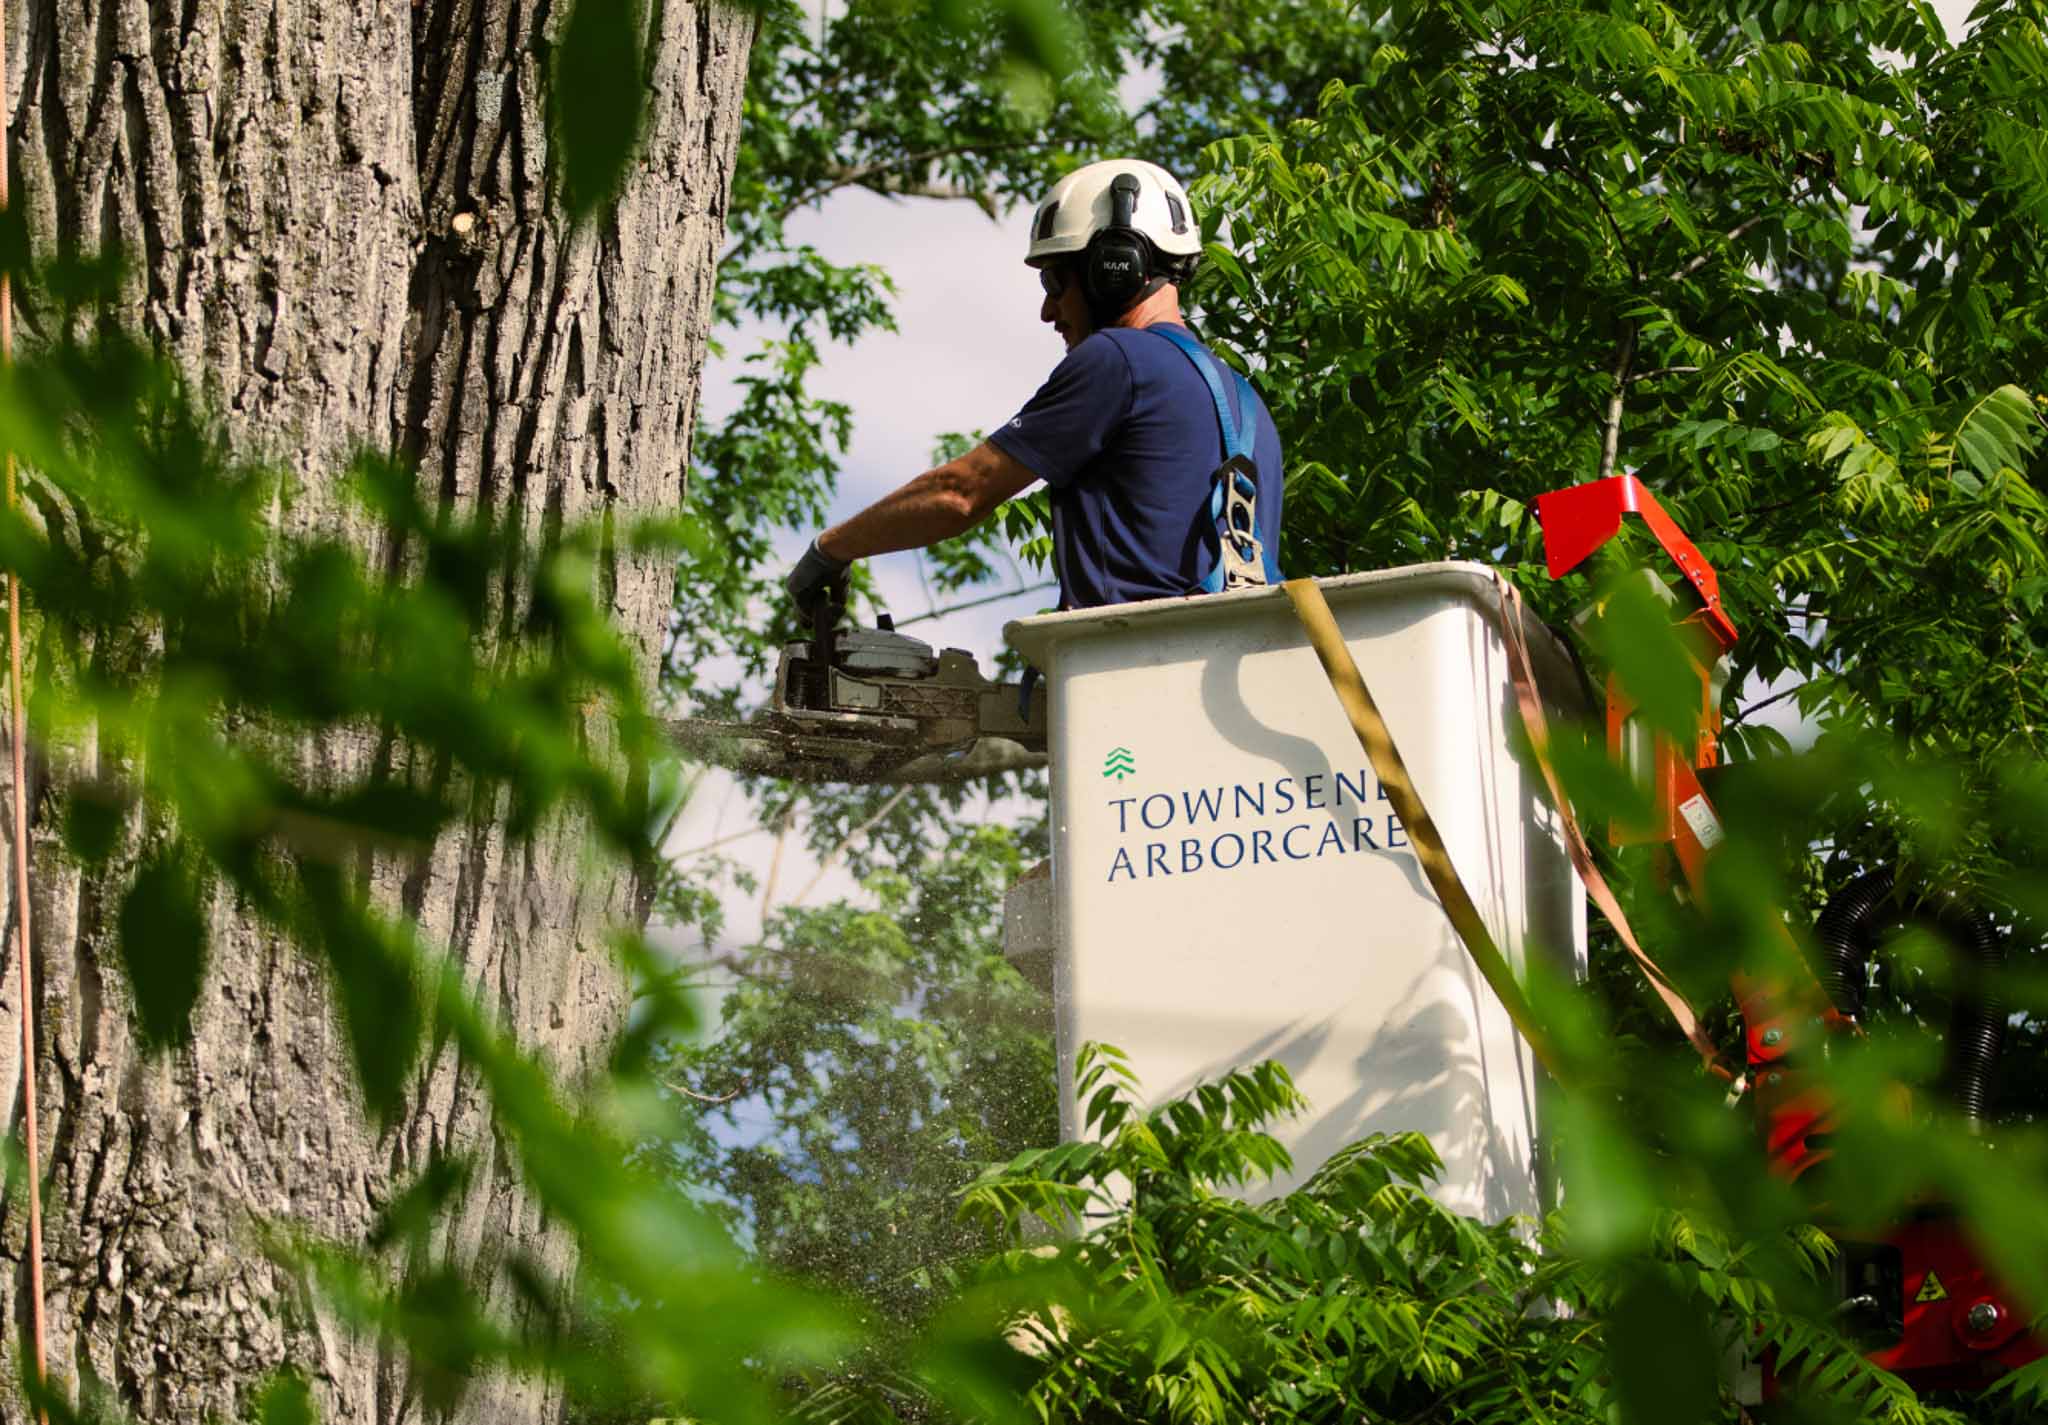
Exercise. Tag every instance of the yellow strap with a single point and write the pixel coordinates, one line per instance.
(1371, 728)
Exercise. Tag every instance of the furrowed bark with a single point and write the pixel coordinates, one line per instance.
(337, 219)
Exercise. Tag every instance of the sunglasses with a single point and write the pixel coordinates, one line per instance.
(1055, 278)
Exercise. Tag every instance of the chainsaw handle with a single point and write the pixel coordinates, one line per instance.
(825, 616)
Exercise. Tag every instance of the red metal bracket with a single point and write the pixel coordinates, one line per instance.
(1578, 520)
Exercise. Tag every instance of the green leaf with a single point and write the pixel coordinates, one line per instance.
(95, 821)
(1662, 1353)
(162, 935)
(286, 1399)
(597, 98)
(1998, 433)
(410, 1216)
(1636, 634)
(372, 977)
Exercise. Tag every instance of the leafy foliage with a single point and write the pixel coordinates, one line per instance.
(867, 1061)
(1471, 252)
(1357, 1296)
(1732, 248)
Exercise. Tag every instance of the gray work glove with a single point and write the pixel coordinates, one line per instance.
(817, 578)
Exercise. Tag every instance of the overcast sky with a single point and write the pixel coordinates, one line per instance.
(969, 352)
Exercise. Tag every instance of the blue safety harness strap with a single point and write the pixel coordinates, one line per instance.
(1238, 441)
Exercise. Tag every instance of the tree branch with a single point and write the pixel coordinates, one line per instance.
(740, 968)
(1734, 234)
(990, 757)
(1664, 371)
(978, 603)
(688, 1092)
(775, 862)
(1741, 713)
(717, 841)
(832, 857)
(848, 176)
(1624, 358)
(1585, 181)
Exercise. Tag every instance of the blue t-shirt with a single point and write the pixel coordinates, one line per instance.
(1125, 433)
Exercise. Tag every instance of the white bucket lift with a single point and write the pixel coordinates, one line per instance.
(1230, 885)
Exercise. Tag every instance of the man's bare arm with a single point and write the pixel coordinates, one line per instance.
(938, 504)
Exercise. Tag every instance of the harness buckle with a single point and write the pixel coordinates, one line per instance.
(1242, 556)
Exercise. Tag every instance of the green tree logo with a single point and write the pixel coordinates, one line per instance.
(1120, 764)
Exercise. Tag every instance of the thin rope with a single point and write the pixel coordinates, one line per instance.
(20, 740)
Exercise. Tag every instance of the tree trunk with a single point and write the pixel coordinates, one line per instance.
(337, 217)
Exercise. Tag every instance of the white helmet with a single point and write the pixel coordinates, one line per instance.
(1082, 204)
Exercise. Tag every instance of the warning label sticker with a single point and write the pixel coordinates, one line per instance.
(1931, 1289)
(1700, 817)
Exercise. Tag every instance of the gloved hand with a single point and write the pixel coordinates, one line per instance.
(817, 578)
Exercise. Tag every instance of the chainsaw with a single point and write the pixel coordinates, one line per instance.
(861, 704)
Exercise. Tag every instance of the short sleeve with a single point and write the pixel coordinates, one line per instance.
(1069, 421)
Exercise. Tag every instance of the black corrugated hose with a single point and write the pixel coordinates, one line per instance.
(1849, 929)
(1847, 935)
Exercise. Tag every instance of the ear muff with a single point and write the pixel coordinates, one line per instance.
(1116, 269)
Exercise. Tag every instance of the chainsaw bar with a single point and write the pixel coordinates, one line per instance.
(773, 746)
(877, 702)
(758, 748)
